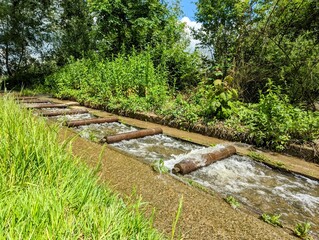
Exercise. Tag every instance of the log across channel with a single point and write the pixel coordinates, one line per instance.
(191, 164)
(132, 135)
(63, 112)
(48, 106)
(76, 123)
(33, 101)
(25, 98)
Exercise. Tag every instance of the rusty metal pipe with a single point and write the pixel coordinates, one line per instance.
(48, 106)
(67, 112)
(192, 164)
(76, 123)
(132, 135)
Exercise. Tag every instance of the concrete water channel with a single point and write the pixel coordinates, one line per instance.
(258, 187)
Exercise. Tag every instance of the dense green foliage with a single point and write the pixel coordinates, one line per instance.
(273, 122)
(23, 35)
(134, 84)
(47, 194)
(124, 25)
(72, 31)
(131, 55)
(130, 82)
(37, 37)
(263, 39)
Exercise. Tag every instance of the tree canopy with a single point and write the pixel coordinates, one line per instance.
(258, 40)
(37, 32)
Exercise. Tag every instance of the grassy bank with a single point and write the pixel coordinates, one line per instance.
(47, 194)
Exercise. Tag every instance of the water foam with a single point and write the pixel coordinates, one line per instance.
(156, 147)
(262, 188)
(73, 117)
(193, 154)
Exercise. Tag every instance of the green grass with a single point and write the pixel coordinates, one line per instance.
(45, 193)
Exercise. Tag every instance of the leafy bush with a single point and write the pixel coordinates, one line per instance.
(181, 110)
(129, 82)
(216, 99)
(183, 68)
(273, 121)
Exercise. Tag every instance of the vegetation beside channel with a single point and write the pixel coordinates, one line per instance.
(47, 194)
(135, 84)
(255, 72)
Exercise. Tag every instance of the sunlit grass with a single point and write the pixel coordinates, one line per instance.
(47, 194)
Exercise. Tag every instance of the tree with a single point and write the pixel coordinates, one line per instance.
(23, 34)
(257, 40)
(224, 23)
(73, 30)
(122, 25)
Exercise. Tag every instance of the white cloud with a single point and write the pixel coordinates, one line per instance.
(189, 26)
(194, 44)
(190, 23)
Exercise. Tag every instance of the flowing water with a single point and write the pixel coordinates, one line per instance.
(51, 109)
(257, 186)
(254, 184)
(149, 148)
(36, 104)
(98, 131)
(263, 189)
(156, 147)
(81, 116)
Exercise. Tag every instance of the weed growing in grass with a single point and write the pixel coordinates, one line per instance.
(159, 166)
(93, 137)
(302, 230)
(232, 202)
(272, 219)
(48, 194)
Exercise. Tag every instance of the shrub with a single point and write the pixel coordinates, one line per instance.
(123, 82)
(216, 98)
(273, 121)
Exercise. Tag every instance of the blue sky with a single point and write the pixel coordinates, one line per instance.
(189, 8)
